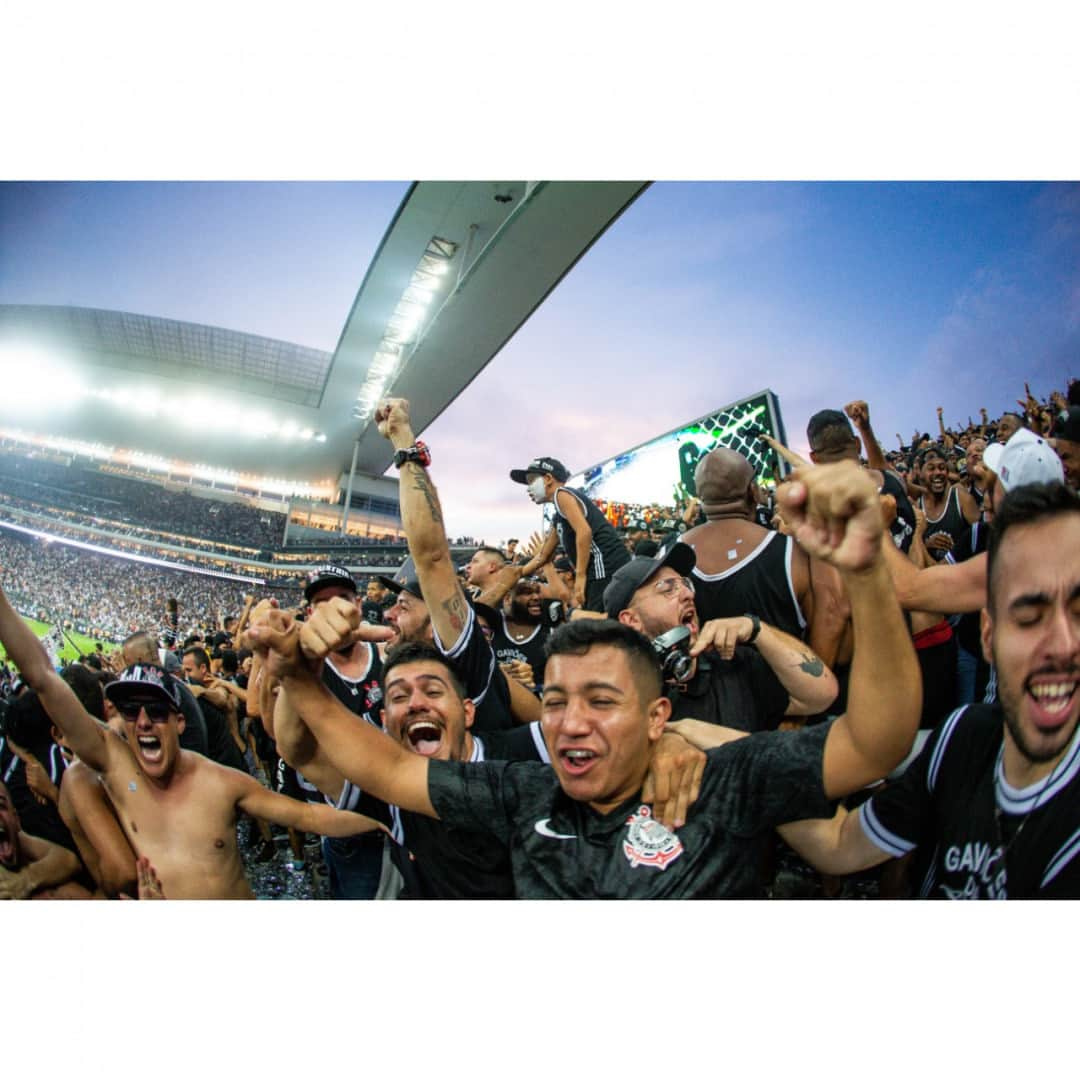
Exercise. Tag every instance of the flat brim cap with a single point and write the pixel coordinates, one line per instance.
(404, 579)
(631, 576)
(141, 681)
(541, 465)
(1028, 459)
(330, 574)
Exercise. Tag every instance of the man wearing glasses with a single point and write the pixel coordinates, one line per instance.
(177, 808)
(739, 672)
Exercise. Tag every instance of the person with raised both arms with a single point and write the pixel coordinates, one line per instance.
(581, 828)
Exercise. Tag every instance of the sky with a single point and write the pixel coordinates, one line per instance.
(908, 295)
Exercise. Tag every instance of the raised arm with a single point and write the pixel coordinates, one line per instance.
(84, 734)
(311, 817)
(362, 754)
(949, 588)
(859, 414)
(837, 518)
(422, 518)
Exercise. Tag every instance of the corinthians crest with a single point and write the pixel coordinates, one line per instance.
(648, 843)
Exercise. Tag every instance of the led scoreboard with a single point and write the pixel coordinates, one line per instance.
(657, 470)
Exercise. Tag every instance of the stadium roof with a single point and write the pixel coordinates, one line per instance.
(460, 269)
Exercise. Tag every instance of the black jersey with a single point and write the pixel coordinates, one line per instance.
(903, 527)
(607, 552)
(742, 693)
(761, 583)
(37, 819)
(562, 848)
(361, 694)
(951, 520)
(443, 862)
(484, 681)
(987, 839)
(530, 649)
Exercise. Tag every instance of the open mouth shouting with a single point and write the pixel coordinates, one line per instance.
(423, 736)
(577, 761)
(1052, 696)
(150, 749)
(688, 618)
(7, 845)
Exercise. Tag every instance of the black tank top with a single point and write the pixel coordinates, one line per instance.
(607, 553)
(761, 584)
(903, 528)
(952, 521)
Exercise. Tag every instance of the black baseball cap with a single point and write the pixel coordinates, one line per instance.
(140, 682)
(541, 465)
(404, 580)
(329, 574)
(632, 575)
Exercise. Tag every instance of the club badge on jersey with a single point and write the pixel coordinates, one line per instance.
(648, 843)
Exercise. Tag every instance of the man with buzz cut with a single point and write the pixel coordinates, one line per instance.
(582, 827)
(584, 534)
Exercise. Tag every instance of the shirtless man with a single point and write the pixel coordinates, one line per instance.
(177, 808)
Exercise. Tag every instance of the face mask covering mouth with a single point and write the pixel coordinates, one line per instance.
(536, 488)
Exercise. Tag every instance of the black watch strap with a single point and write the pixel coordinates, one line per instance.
(418, 452)
(756, 628)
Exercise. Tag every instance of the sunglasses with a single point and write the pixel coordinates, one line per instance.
(156, 711)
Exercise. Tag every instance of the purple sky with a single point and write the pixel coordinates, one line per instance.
(910, 295)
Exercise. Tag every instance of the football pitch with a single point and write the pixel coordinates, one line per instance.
(75, 644)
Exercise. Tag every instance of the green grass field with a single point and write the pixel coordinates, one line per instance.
(69, 652)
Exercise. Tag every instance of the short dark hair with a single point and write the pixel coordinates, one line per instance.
(1023, 506)
(86, 685)
(829, 427)
(578, 637)
(492, 551)
(201, 657)
(932, 451)
(416, 652)
(229, 661)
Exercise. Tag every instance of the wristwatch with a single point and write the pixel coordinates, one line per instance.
(418, 452)
(756, 624)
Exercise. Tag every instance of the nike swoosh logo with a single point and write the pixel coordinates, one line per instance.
(544, 829)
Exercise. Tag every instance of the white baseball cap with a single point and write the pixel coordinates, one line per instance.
(1024, 459)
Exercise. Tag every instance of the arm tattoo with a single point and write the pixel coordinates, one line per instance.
(456, 610)
(420, 483)
(811, 664)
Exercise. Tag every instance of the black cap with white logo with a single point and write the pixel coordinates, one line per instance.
(142, 682)
(632, 575)
(541, 465)
(329, 574)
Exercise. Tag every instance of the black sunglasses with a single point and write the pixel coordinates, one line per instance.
(156, 711)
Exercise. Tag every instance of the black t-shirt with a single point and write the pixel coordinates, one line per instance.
(194, 736)
(443, 862)
(484, 681)
(220, 746)
(741, 693)
(371, 611)
(562, 848)
(988, 839)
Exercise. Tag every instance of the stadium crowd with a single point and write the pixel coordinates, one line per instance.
(877, 692)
